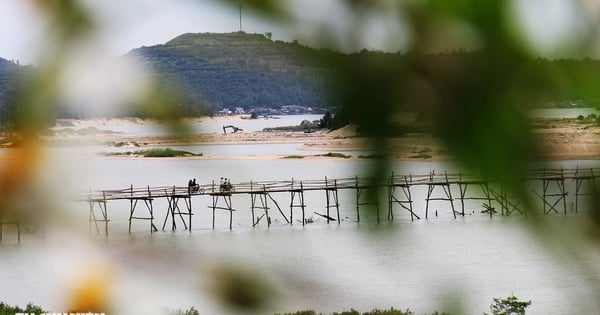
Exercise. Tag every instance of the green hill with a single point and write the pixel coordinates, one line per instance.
(240, 70)
(204, 73)
(8, 72)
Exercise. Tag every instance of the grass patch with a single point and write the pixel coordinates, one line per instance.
(335, 155)
(164, 152)
(153, 153)
(330, 154)
(294, 157)
(372, 156)
(421, 156)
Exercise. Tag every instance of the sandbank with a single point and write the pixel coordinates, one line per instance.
(559, 139)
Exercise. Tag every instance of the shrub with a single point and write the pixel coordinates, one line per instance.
(336, 155)
(191, 311)
(509, 306)
(6, 309)
(294, 157)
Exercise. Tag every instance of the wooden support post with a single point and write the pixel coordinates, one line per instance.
(485, 188)
(449, 194)
(228, 206)
(262, 198)
(331, 194)
(300, 193)
(189, 209)
(579, 181)
(504, 203)
(327, 199)
(406, 201)
(463, 192)
(563, 191)
(278, 208)
(390, 189)
(131, 207)
(447, 191)
(252, 202)
(150, 208)
(214, 206)
(147, 199)
(92, 215)
(374, 195)
(104, 213)
(357, 198)
(548, 195)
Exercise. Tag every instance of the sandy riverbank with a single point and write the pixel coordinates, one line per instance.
(138, 121)
(561, 139)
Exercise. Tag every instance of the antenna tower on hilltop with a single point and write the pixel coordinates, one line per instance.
(240, 18)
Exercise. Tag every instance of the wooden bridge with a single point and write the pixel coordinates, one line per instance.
(439, 188)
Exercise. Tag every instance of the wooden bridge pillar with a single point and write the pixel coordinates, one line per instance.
(405, 198)
(133, 200)
(300, 204)
(463, 186)
(227, 207)
(547, 195)
(372, 198)
(262, 198)
(485, 188)
(101, 203)
(331, 193)
(446, 188)
(173, 199)
(579, 180)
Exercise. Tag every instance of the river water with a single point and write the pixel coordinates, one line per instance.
(424, 265)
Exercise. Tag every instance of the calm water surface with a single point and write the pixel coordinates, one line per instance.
(563, 112)
(326, 267)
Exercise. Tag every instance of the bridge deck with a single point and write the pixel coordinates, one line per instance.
(395, 180)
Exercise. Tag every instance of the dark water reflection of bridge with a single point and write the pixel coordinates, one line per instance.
(399, 192)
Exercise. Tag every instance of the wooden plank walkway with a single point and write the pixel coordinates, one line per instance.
(440, 188)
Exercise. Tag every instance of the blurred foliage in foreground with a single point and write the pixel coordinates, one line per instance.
(474, 102)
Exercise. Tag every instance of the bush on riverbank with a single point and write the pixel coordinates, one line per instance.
(156, 152)
(391, 311)
(330, 154)
(6, 309)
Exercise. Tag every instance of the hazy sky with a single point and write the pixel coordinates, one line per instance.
(125, 25)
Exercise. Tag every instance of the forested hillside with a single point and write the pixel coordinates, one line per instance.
(204, 73)
(241, 70)
(9, 74)
(250, 71)
(8, 71)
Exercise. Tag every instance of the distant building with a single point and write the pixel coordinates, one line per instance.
(239, 111)
(224, 112)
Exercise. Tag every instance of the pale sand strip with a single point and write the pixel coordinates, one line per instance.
(563, 140)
